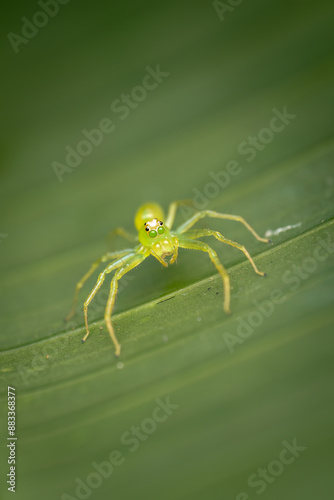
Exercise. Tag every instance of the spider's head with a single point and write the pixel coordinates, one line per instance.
(152, 232)
(155, 236)
(154, 228)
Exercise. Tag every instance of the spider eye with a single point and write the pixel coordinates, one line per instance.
(161, 230)
(147, 228)
(161, 223)
(152, 233)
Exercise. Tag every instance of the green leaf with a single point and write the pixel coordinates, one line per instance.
(200, 402)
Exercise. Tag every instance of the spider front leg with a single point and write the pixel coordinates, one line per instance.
(104, 258)
(200, 245)
(216, 215)
(134, 261)
(208, 232)
(100, 280)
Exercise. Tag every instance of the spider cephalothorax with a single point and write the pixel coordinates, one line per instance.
(157, 239)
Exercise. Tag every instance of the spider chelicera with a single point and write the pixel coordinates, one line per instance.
(156, 238)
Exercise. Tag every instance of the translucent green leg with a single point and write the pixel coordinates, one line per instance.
(208, 232)
(176, 249)
(134, 261)
(216, 215)
(114, 265)
(172, 211)
(119, 231)
(104, 258)
(200, 245)
(160, 259)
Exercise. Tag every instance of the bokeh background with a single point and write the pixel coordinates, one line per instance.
(243, 386)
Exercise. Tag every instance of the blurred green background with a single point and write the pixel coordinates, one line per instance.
(242, 386)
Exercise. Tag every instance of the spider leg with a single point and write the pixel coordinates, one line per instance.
(200, 245)
(160, 259)
(172, 211)
(104, 258)
(119, 231)
(111, 267)
(134, 261)
(176, 249)
(208, 232)
(216, 215)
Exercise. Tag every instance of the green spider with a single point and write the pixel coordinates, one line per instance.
(156, 238)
